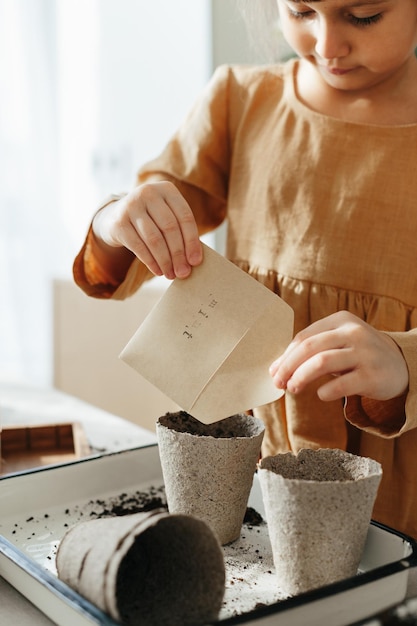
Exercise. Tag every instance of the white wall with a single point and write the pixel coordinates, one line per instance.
(230, 40)
(141, 101)
(88, 90)
(154, 59)
(100, 85)
(127, 78)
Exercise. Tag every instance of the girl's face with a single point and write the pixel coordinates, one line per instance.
(354, 44)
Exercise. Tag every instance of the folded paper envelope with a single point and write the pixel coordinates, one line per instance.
(209, 342)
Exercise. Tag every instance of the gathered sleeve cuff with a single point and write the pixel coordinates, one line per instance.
(390, 418)
(91, 276)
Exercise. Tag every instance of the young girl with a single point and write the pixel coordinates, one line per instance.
(313, 162)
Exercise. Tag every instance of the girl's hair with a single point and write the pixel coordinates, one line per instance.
(262, 23)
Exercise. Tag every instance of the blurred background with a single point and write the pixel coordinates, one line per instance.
(89, 90)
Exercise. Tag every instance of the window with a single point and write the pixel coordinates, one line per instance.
(89, 90)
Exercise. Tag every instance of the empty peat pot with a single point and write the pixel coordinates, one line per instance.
(208, 469)
(318, 506)
(146, 569)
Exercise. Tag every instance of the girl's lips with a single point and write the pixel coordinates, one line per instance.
(336, 71)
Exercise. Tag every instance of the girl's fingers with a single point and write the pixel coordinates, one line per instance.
(301, 340)
(328, 362)
(159, 231)
(129, 239)
(362, 360)
(345, 385)
(175, 221)
(156, 223)
(314, 353)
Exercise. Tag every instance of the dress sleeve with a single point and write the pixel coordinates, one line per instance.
(88, 272)
(394, 417)
(197, 161)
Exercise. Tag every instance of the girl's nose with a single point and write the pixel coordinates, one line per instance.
(330, 40)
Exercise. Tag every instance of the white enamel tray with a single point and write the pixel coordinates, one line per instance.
(36, 509)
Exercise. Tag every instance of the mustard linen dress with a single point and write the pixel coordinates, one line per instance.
(324, 213)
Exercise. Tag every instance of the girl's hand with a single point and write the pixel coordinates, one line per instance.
(155, 222)
(363, 361)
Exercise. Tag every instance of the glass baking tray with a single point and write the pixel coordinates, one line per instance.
(37, 508)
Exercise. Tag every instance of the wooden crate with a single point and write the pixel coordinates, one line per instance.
(26, 447)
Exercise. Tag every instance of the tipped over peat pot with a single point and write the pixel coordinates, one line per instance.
(146, 569)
